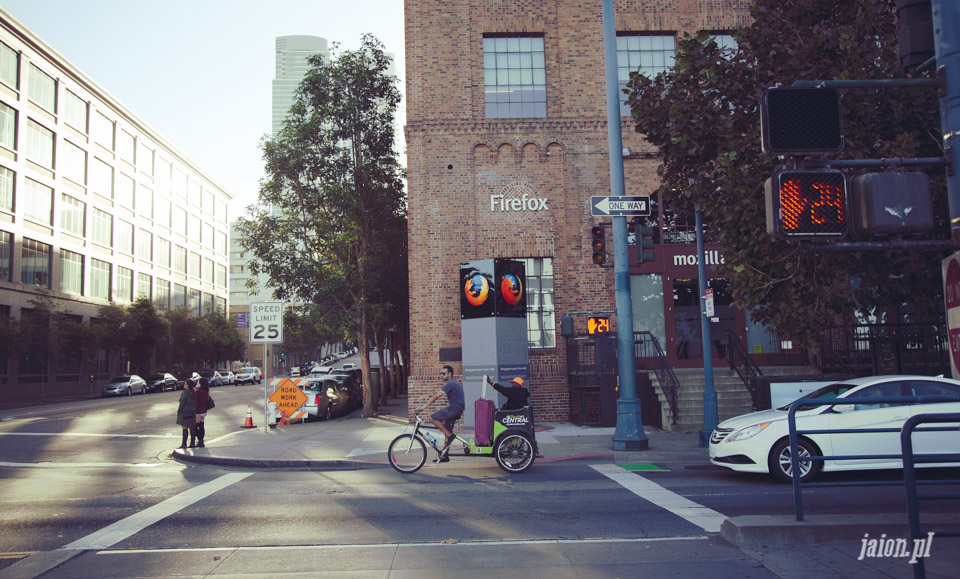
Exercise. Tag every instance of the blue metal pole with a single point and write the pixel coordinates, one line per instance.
(629, 434)
(946, 36)
(710, 417)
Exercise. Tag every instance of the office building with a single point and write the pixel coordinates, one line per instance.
(506, 138)
(95, 207)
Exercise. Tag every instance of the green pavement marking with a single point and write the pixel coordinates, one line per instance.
(640, 466)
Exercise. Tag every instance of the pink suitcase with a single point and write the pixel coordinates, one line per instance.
(483, 414)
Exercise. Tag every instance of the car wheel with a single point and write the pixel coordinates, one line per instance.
(782, 468)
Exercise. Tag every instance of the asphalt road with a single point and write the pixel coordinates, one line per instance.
(98, 474)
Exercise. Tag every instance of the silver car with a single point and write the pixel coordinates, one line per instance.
(124, 386)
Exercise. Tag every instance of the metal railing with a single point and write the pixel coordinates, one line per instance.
(650, 356)
(744, 366)
(910, 478)
(794, 435)
(874, 349)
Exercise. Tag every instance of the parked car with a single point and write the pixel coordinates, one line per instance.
(124, 385)
(758, 442)
(348, 366)
(161, 382)
(213, 377)
(295, 372)
(318, 371)
(326, 398)
(249, 375)
(229, 378)
(353, 387)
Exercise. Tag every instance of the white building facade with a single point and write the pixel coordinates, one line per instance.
(95, 206)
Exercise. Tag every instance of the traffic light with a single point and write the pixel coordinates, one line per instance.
(644, 244)
(598, 242)
(806, 204)
(914, 33)
(800, 121)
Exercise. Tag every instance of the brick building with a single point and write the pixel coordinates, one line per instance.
(506, 142)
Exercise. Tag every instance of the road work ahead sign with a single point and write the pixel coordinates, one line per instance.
(266, 323)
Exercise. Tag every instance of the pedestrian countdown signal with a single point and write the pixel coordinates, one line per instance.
(806, 204)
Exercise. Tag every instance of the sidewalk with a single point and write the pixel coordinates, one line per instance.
(779, 542)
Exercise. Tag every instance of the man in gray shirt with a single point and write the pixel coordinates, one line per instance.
(445, 418)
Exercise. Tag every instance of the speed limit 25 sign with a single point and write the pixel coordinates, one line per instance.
(266, 323)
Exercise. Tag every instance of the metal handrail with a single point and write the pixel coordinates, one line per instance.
(910, 478)
(794, 435)
(744, 366)
(669, 383)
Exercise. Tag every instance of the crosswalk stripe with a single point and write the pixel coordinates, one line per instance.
(113, 534)
(705, 518)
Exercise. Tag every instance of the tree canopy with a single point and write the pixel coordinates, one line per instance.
(704, 113)
(332, 203)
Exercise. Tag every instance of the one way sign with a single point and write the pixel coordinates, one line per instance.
(620, 206)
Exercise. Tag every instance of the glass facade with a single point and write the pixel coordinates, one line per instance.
(541, 322)
(648, 54)
(73, 215)
(35, 264)
(42, 89)
(71, 272)
(514, 77)
(100, 277)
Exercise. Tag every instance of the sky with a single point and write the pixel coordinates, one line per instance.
(199, 72)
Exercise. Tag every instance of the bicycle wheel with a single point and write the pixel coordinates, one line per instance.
(407, 453)
(514, 452)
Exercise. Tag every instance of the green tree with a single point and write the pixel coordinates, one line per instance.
(114, 332)
(221, 340)
(186, 339)
(703, 114)
(147, 328)
(333, 186)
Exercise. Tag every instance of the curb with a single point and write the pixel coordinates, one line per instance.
(332, 464)
(747, 531)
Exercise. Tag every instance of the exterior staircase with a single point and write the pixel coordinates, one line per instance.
(733, 398)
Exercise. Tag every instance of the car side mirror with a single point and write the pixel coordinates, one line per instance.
(840, 408)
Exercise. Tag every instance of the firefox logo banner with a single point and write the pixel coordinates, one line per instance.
(511, 283)
(492, 287)
(477, 291)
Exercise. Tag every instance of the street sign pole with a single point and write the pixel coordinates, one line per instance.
(266, 327)
(629, 433)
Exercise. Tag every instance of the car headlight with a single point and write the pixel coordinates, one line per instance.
(748, 432)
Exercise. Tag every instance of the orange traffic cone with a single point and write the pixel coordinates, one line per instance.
(248, 423)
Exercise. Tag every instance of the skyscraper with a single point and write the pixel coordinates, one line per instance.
(292, 53)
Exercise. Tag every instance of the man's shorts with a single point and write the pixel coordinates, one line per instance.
(447, 416)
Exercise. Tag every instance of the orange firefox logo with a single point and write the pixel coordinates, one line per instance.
(476, 289)
(511, 289)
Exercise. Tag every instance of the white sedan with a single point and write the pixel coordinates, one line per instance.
(759, 441)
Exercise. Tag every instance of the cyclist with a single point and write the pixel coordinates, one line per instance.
(445, 418)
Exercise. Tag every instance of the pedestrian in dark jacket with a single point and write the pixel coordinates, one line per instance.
(517, 395)
(187, 413)
(203, 404)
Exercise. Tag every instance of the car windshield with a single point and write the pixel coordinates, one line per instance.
(826, 393)
(155, 377)
(120, 379)
(248, 370)
(206, 374)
